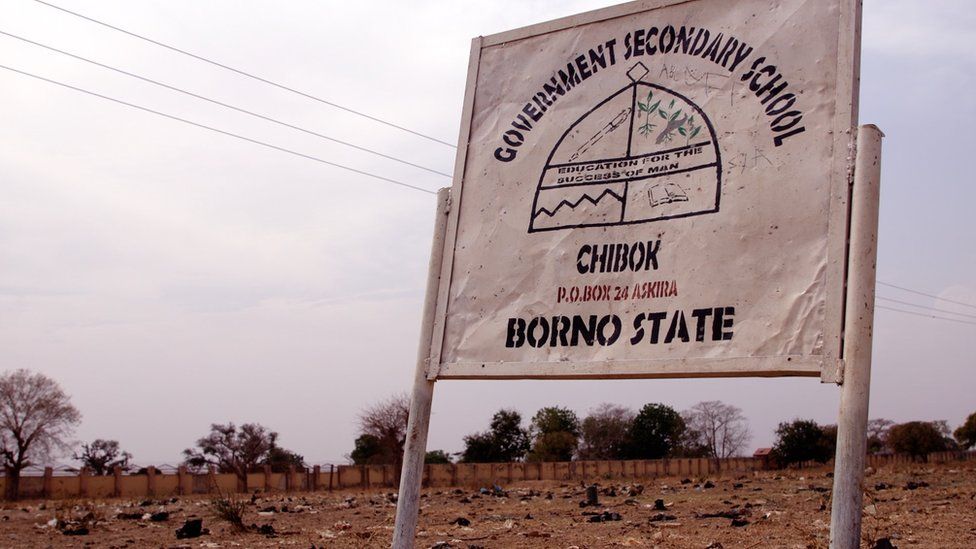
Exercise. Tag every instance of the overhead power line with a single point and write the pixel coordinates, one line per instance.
(927, 295)
(925, 315)
(217, 130)
(900, 302)
(222, 104)
(247, 74)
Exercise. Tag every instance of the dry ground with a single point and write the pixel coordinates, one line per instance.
(919, 507)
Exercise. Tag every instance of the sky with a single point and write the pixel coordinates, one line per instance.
(169, 277)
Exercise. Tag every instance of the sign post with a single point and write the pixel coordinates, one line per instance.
(659, 189)
(845, 510)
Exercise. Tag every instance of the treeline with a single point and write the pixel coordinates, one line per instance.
(611, 432)
(37, 420)
(554, 433)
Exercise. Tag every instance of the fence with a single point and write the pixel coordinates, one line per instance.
(152, 483)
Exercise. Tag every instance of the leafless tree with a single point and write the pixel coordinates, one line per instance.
(604, 432)
(231, 450)
(387, 422)
(102, 456)
(36, 419)
(878, 434)
(722, 427)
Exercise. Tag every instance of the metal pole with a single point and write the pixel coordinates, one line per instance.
(415, 448)
(845, 512)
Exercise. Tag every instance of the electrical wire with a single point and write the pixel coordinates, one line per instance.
(926, 295)
(217, 130)
(924, 315)
(925, 307)
(222, 104)
(247, 74)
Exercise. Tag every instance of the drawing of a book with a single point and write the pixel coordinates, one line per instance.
(666, 193)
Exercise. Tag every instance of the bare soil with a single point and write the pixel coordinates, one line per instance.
(920, 506)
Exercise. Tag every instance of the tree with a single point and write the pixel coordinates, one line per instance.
(231, 450)
(505, 440)
(437, 456)
(878, 435)
(604, 432)
(966, 433)
(366, 450)
(282, 460)
(36, 419)
(386, 422)
(555, 433)
(692, 443)
(102, 456)
(917, 438)
(722, 428)
(803, 440)
(656, 432)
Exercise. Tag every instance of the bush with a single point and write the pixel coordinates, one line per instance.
(917, 439)
(804, 440)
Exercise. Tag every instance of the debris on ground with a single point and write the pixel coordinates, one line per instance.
(192, 528)
(606, 516)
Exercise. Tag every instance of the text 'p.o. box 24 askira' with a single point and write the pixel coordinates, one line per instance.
(658, 189)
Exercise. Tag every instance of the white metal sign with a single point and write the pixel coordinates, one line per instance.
(657, 189)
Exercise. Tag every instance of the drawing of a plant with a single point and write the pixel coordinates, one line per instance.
(647, 109)
(685, 126)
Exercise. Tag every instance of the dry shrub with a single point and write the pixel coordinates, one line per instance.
(229, 510)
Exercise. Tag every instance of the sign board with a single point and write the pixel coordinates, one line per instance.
(665, 188)
(658, 189)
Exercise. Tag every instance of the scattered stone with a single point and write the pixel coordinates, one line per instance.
(161, 516)
(883, 543)
(192, 528)
(871, 510)
(913, 485)
(591, 495)
(606, 516)
(882, 486)
(461, 521)
(79, 531)
(714, 545)
(660, 517)
(265, 530)
(730, 514)
(686, 481)
(739, 522)
(129, 516)
(659, 505)
(708, 484)
(635, 490)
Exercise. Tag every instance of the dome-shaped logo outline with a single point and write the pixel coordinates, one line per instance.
(633, 87)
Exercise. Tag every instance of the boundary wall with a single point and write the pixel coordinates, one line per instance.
(341, 477)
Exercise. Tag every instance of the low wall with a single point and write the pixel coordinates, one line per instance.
(153, 484)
